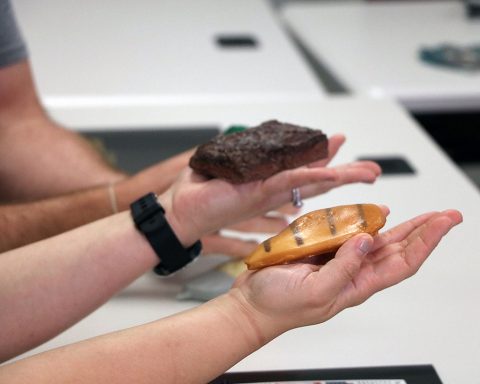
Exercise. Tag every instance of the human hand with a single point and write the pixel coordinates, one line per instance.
(283, 297)
(354, 172)
(236, 247)
(196, 206)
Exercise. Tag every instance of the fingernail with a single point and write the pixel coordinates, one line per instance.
(365, 245)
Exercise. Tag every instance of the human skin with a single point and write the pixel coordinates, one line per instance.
(79, 270)
(256, 310)
(58, 182)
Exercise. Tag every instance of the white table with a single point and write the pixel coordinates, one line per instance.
(430, 319)
(372, 48)
(103, 53)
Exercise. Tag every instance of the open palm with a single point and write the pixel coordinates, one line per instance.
(203, 206)
(361, 267)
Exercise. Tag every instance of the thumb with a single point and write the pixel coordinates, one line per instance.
(343, 268)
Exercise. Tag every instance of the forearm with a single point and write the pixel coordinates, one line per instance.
(186, 348)
(156, 178)
(56, 282)
(26, 223)
(38, 158)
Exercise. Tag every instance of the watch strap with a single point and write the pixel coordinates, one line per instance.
(149, 218)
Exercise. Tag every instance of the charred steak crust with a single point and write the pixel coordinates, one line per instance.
(259, 152)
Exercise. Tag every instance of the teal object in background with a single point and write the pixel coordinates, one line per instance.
(452, 56)
(235, 129)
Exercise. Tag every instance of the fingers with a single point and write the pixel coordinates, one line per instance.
(454, 215)
(406, 257)
(295, 178)
(402, 259)
(344, 267)
(286, 180)
(356, 172)
(261, 224)
(228, 246)
(287, 209)
(399, 232)
(313, 181)
(334, 144)
(385, 209)
(421, 242)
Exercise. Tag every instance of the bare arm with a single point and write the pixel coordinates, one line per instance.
(170, 351)
(64, 278)
(256, 310)
(52, 180)
(27, 222)
(103, 255)
(38, 158)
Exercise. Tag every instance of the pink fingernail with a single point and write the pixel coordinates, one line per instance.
(365, 245)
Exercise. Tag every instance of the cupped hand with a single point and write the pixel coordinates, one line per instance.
(197, 207)
(283, 297)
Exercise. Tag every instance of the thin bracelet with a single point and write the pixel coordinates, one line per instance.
(113, 197)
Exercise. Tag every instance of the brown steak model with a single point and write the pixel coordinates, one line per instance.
(259, 152)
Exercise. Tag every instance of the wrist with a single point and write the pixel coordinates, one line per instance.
(186, 233)
(150, 218)
(125, 193)
(259, 326)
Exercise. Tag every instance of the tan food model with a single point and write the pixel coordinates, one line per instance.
(317, 233)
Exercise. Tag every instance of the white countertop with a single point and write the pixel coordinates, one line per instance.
(103, 53)
(373, 48)
(430, 319)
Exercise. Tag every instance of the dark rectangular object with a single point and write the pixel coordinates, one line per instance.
(473, 8)
(457, 132)
(236, 41)
(412, 374)
(137, 148)
(394, 165)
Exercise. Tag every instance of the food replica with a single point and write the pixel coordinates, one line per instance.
(259, 152)
(317, 233)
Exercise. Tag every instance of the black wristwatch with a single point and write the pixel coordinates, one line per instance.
(149, 218)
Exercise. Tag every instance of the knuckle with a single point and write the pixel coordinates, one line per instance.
(349, 269)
